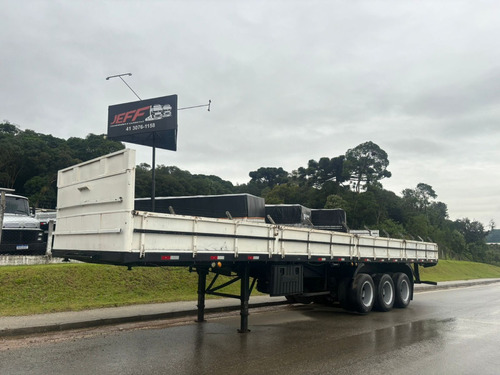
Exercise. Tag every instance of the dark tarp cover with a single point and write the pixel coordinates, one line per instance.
(238, 205)
(332, 219)
(288, 214)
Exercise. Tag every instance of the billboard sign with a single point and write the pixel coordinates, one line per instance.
(151, 122)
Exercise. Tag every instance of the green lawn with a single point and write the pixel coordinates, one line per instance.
(62, 287)
(450, 270)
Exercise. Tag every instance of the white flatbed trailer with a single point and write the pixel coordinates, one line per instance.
(97, 223)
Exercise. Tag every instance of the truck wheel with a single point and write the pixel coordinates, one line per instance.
(363, 293)
(402, 290)
(384, 299)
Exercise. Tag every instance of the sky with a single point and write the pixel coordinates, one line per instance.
(288, 81)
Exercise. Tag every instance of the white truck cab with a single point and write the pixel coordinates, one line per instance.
(21, 231)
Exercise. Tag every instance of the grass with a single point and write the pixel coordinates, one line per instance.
(63, 287)
(450, 270)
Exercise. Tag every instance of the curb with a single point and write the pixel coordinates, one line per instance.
(12, 332)
(420, 288)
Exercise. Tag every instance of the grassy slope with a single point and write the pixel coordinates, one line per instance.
(62, 287)
(450, 270)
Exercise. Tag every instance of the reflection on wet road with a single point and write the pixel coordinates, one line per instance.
(443, 332)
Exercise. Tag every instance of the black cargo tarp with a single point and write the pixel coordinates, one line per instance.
(289, 214)
(333, 219)
(238, 205)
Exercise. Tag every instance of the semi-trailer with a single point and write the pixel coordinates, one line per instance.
(97, 222)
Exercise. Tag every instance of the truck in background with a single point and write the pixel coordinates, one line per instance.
(21, 233)
(45, 217)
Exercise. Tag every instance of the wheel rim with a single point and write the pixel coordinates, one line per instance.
(387, 293)
(404, 291)
(367, 294)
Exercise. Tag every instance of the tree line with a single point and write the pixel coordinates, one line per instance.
(29, 162)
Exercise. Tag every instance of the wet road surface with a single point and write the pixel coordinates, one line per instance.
(443, 332)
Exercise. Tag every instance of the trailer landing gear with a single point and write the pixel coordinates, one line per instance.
(242, 275)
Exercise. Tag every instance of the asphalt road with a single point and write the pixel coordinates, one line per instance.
(454, 331)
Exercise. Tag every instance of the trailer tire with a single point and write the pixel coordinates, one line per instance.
(362, 293)
(402, 290)
(384, 298)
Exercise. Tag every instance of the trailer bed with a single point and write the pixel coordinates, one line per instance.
(96, 222)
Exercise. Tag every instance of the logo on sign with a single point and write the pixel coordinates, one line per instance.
(153, 112)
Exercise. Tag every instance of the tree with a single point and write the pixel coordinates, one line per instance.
(93, 146)
(437, 213)
(392, 228)
(473, 231)
(366, 164)
(264, 179)
(319, 172)
(8, 128)
(365, 210)
(285, 194)
(11, 161)
(420, 197)
(418, 225)
(269, 176)
(173, 181)
(336, 201)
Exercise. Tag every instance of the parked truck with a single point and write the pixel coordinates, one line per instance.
(97, 223)
(21, 233)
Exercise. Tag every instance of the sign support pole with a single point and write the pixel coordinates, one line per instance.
(2, 211)
(153, 171)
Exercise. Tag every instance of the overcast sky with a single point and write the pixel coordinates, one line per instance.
(289, 81)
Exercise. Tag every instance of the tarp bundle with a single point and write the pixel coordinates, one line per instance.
(331, 219)
(240, 206)
(290, 214)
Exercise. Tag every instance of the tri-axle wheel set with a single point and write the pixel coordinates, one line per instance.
(381, 292)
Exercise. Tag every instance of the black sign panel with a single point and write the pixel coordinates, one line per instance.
(151, 122)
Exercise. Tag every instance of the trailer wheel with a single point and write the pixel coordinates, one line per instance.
(402, 289)
(384, 299)
(363, 293)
